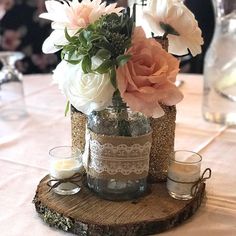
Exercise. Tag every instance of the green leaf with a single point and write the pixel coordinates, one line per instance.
(67, 107)
(82, 39)
(95, 37)
(113, 77)
(103, 53)
(122, 59)
(69, 47)
(82, 51)
(58, 46)
(91, 27)
(86, 64)
(104, 67)
(74, 39)
(87, 35)
(67, 35)
(78, 32)
(74, 62)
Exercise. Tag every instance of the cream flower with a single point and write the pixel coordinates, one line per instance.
(72, 15)
(173, 17)
(86, 92)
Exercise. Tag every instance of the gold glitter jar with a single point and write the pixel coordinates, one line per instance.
(78, 128)
(163, 137)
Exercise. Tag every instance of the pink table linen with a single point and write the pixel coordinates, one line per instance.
(24, 146)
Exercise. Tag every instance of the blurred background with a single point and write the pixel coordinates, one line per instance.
(22, 30)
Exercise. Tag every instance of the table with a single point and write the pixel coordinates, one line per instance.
(24, 146)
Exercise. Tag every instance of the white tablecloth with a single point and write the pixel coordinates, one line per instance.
(24, 149)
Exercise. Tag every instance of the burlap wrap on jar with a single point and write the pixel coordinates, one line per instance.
(118, 157)
(162, 137)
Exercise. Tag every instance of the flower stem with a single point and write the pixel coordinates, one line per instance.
(122, 115)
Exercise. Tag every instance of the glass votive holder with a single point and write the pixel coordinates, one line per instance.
(12, 103)
(66, 170)
(183, 174)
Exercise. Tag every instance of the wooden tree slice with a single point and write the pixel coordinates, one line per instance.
(86, 214)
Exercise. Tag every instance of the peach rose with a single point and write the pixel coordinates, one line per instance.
(147, 79)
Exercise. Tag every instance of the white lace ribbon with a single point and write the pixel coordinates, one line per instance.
(123, 157)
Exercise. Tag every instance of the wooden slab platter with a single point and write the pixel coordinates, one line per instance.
(85, 214)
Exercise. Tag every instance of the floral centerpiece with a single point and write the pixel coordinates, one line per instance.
(108, 62)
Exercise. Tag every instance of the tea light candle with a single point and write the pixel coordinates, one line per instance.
(65, 162)
(65, 168)
(183, 173)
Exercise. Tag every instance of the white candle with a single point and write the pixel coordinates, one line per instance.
(181, 172)
(65, 168)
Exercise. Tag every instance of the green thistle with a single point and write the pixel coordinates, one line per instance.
(120, 43)
(108, 38)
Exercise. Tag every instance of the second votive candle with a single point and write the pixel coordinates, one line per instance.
(183, 174)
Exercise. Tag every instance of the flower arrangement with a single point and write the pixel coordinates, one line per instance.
(105, 55)
(117, 76)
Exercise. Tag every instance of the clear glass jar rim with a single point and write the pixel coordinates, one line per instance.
(74, 153)
(187, 162)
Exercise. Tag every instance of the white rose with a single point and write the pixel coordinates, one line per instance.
(86, 92)
(173, 13)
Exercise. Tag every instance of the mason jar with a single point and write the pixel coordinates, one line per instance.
(119, 148)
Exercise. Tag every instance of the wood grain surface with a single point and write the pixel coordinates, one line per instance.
(86, 214)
